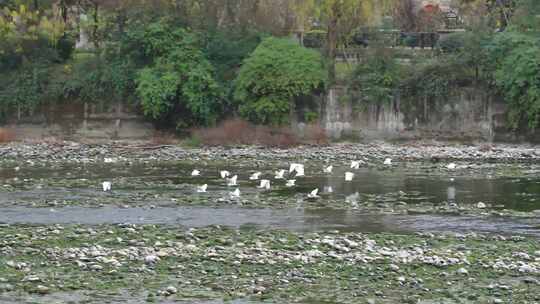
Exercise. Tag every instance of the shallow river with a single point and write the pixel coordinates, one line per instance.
(520, 192)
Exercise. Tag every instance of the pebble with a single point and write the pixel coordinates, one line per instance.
(42, 289)
(151, 259)
(171, 290)
(481, 205)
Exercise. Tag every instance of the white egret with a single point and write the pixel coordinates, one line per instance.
(314, 194)
(451, 166)
(299, 171)
(355, 165)
(106, 186)
(232, 181)
(224, 174)
(328, 189)
(388, 161)
(195, 173)
(235, 193)
(349, 176)
(290, 183)
(109, 160)
(328, 169)
(202, 189)
(265, 184)
(280, 174)
(293, 167)
(255, 176)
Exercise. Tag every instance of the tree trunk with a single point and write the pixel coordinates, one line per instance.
(95, 27)
(331, 44)
(64, 11)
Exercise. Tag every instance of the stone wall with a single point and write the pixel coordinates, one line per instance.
(81, 121)
(470, 114)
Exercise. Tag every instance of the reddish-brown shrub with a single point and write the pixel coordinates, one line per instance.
(6, 135)
(315, 134)
(164, 138)
(485, 148)
(239, 132)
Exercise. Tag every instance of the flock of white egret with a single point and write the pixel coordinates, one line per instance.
(295, 171)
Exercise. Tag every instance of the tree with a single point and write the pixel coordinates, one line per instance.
(515, 64)
(341, 18)
(404, 15)
(277, 72)
(179, 83)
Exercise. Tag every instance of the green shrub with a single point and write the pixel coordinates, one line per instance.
(376, 79)
(179, 78)
(277, 72)
(517, 76)
(311, 116)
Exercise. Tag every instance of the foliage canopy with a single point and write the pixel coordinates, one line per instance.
(277, 72)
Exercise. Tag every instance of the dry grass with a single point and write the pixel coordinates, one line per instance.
(239, 132)
(6, 135)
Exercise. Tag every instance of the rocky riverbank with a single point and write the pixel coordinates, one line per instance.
(162, 263)
(412, 151)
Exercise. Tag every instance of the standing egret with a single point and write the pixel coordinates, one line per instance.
(106, 186)
(355, 165)
(255, 176)
(314, 194)
(299, 171)
(195, 173)
(388, 162)
(224, 174)
(280, 174)
(293, 167)
(202, 189)
(265, 184)
(232, 181)
(235, 193)
(349, 176)
(328, 169)
(290, 183)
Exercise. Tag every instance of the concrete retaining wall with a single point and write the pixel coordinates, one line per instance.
(470, 114)
(82, 121)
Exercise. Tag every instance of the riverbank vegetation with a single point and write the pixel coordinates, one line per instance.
(194, 63)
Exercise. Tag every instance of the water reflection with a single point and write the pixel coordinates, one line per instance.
(451, 194)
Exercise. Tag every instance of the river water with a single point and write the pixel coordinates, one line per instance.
(153, 181)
